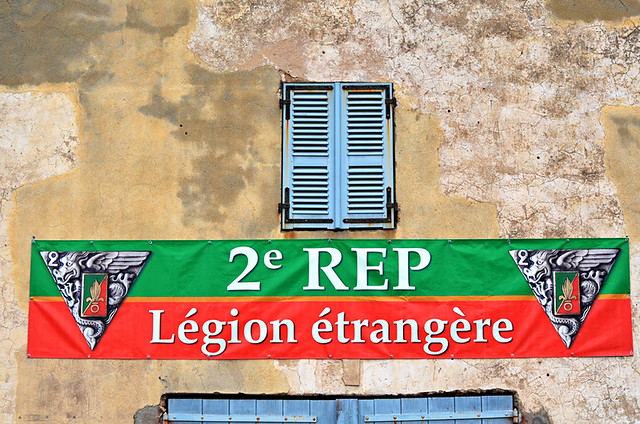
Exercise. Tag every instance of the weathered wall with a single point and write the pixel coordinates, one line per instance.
(139, 119)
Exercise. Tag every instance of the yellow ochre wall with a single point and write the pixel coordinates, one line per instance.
(140, 119)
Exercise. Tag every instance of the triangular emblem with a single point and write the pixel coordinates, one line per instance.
(94, 284)
(566, 283)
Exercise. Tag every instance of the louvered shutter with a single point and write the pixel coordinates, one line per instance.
(308, 157)
(367, 157)
(337, 156)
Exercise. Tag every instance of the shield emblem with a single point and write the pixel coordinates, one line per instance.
(94, 295)
(566, 293)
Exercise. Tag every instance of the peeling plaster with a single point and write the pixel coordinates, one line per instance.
(117, 171)
(513, 93)
(622, 158)
(519, 96)
(516, 119)
(50, 41)
(205, 111)
(38, 140)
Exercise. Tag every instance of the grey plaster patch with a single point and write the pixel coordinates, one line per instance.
(627, 129)
(589, 10)
(48, 40)
(150, 414)
(539, 417)
(212, 117)
(164, 18)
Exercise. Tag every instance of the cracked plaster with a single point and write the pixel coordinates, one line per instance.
(518, 90)
(38, 139)
(519, 97)
(511, 121)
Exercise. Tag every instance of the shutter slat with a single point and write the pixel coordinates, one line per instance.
(368, 132)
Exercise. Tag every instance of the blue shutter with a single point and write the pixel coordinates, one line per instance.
(496, 404)
(367, 156)
(415, 406)
(214, 406)
(490, 409)
(243, 408)
(187, 410)
(325, 411)
(338, 164)
(441, 405)
(472, 404)
(308, 157)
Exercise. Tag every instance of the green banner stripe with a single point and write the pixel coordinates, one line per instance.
(200, 268)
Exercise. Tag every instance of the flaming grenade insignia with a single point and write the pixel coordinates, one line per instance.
(94, 285)
(566, 283)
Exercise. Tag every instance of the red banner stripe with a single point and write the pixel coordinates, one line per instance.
(54, 333)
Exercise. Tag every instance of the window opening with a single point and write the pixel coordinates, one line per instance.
(338, 156)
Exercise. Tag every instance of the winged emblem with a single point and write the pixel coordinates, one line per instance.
(94, 285)
(566, 283)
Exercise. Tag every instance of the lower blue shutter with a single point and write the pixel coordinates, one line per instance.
(489, 409)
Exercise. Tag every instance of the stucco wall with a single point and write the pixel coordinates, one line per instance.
(157, 120)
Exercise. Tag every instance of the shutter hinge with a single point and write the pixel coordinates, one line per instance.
(392, 206)
(390, 102)
(283, 206)
(286, 207)
(392, 210)
(286, 103)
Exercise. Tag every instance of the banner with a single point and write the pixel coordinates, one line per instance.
(367, 299)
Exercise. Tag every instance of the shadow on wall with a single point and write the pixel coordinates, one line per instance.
(540, 417)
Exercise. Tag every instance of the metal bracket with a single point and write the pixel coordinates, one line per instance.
(286, 103)
(516, 416)
(392, 207)
(286, 207)
(283, 206)
(388, 101)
